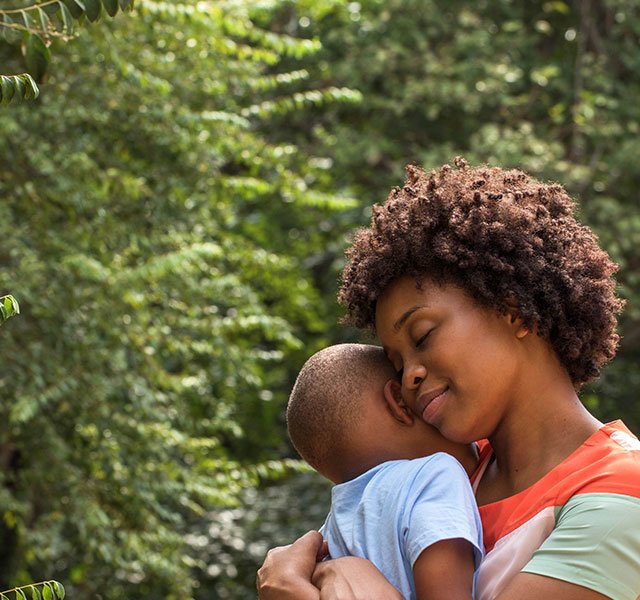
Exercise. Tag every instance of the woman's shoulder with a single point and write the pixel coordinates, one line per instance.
(620, 436)
(608, 463)
(609, 460)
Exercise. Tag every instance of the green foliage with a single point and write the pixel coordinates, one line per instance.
(166, 255)
(17, 87)
(230, 543)
(33, 26)
(8, 307)
(49, 589)
(44, 590)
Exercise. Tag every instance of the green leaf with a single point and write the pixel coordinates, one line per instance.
(7, 89)
(20, 595)
(111, 6)
(35, 593)
(44, 20)
(37, 56)
(58, 588)
(26, 19)
(19, 86)
(76, 8)
(126, 4)
(12, 35)
(50, 9)
(31, 87)
(93, 9)
(47, 593)
(67, 19)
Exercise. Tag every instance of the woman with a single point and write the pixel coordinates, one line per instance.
(496, 306)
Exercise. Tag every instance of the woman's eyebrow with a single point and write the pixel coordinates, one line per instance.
(402, 320)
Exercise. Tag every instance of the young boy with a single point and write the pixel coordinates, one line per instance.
(402, 500)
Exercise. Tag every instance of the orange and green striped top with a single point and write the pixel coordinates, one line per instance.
(580, 523)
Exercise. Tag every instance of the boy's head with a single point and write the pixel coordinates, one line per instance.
(345, 415)
(503, 237)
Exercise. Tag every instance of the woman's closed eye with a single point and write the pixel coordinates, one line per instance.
(421, 340)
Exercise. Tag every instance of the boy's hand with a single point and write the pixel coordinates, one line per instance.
(352, 578)
(287, 570)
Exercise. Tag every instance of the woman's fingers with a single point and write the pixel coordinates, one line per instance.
(286, 571)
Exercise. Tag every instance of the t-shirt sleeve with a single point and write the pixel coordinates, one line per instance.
(441, 507)
(595, 544)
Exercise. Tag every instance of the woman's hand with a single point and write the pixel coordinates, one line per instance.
(287, 570)
(293, 573)
(352, 578)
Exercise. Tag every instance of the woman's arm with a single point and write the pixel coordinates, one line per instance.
(352, 578)
(527, 586)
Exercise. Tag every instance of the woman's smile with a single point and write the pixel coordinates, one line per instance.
(429, 403)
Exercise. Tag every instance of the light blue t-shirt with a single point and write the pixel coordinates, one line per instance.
(394, 511)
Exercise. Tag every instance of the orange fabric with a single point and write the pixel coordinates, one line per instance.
(603, 464)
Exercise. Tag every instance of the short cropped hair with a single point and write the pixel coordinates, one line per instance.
(499, 235)
(328, 399)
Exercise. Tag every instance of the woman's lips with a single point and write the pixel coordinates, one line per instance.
(430, 403)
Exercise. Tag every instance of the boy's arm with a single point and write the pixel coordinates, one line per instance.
(444, 571)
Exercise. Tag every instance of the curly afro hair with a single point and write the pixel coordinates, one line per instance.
(500, 235)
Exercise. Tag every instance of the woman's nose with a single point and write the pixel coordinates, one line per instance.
(413, 376)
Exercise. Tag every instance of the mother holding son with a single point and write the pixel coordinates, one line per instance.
(495, 306)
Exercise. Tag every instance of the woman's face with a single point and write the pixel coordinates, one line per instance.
(460, 362)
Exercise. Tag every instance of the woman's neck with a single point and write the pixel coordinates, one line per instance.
(540, 430)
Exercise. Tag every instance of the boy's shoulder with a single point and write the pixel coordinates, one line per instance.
(434, 465)
(408, 477)
(396, 474)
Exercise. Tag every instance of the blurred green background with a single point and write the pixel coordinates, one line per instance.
(174, 210)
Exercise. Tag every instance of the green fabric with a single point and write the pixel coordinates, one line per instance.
(595, 544)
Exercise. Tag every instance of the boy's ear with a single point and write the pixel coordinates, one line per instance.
(395, 403)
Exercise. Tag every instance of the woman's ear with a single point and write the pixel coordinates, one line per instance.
(395, 403)
(515, 317)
